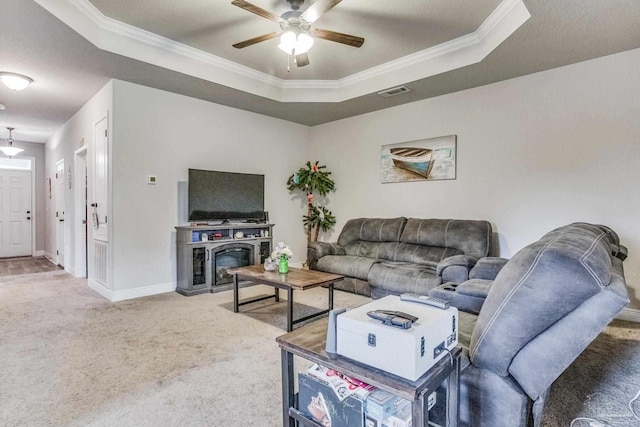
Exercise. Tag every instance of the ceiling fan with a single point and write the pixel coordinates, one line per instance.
(297, 35)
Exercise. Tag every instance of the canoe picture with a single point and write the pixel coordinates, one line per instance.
(418, 160)
(422, 160)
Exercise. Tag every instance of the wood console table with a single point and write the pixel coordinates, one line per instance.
(308, 342)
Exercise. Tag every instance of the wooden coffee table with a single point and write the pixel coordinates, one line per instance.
(295, 279)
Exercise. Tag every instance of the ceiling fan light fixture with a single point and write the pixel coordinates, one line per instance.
(300, 43)
(9, 149)
(15, 81)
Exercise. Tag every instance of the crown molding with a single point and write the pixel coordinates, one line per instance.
(117, 37)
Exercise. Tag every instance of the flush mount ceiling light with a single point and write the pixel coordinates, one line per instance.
(9, 149)
(15, 81)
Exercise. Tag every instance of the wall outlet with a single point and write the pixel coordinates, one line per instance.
(151, 179)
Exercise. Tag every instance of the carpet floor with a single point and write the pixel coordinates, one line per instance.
(71, 358)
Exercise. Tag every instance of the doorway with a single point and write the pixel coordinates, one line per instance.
(81, 216)
(16, 213)
(60, 209)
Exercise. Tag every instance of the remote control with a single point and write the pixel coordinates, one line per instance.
(425, 299)
(393, 318)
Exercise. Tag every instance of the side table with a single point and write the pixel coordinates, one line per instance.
(309, 341)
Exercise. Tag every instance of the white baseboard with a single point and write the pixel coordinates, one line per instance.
(145, 291)
(101, 289)
(69, 269)
(127, 294)
(38, 253)
(630, 314)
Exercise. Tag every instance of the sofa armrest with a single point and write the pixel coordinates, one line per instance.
(467, 296)
(316, 250)
(487, 268)
(455, 268)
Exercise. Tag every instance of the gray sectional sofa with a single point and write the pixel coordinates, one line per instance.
(382, 256)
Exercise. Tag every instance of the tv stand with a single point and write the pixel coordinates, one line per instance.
(197, 246)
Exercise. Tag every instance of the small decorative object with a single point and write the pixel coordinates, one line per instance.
(205, 237)
(269, 264)
(283, 266)
(239, 235)
(282, 253)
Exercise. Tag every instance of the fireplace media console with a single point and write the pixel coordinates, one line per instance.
(207, 252)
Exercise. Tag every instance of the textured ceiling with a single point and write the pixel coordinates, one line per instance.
(392, 29)
(68, 70)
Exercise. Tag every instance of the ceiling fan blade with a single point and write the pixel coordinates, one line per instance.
(255, 40)
(302, 60)
(337, 37)
(318, 9)
(257, 10)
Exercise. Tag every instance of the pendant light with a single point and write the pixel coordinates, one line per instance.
(9, 149)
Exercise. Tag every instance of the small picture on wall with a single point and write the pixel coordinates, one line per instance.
(422, 160)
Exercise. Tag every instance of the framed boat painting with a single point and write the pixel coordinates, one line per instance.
(422, 160)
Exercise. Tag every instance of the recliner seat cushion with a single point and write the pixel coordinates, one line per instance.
(382, 250)
(347, 265)
(541, 283)
(425, 255)
(403, 277)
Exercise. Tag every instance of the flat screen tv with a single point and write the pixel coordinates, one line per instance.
(225, 196)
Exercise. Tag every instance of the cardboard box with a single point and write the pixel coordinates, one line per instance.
(402, 418)
(318, 402)
(379, 404)
(408, 353)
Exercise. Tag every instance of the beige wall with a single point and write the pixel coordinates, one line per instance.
(534, 153)
(78, 131)
(164, 134)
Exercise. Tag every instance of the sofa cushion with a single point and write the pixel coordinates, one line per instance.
(398, 277)
(541, 284)
(468, 236)
(353, 285)
(487, 268)
(425, 255)
(371, 230)
(382, 250)
(346, 265)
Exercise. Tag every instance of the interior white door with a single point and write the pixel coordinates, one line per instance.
(60, 203)
(101, 180)
(15, 213)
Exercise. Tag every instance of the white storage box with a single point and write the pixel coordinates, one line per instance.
(408, 353)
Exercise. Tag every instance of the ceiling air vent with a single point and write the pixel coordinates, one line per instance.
(393, 91)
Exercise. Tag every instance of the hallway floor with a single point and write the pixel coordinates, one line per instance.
(26, 265)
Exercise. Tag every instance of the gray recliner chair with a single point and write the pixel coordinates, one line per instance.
(545, 306)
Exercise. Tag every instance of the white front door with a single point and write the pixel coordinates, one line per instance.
(15, 213)
(60, 202)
